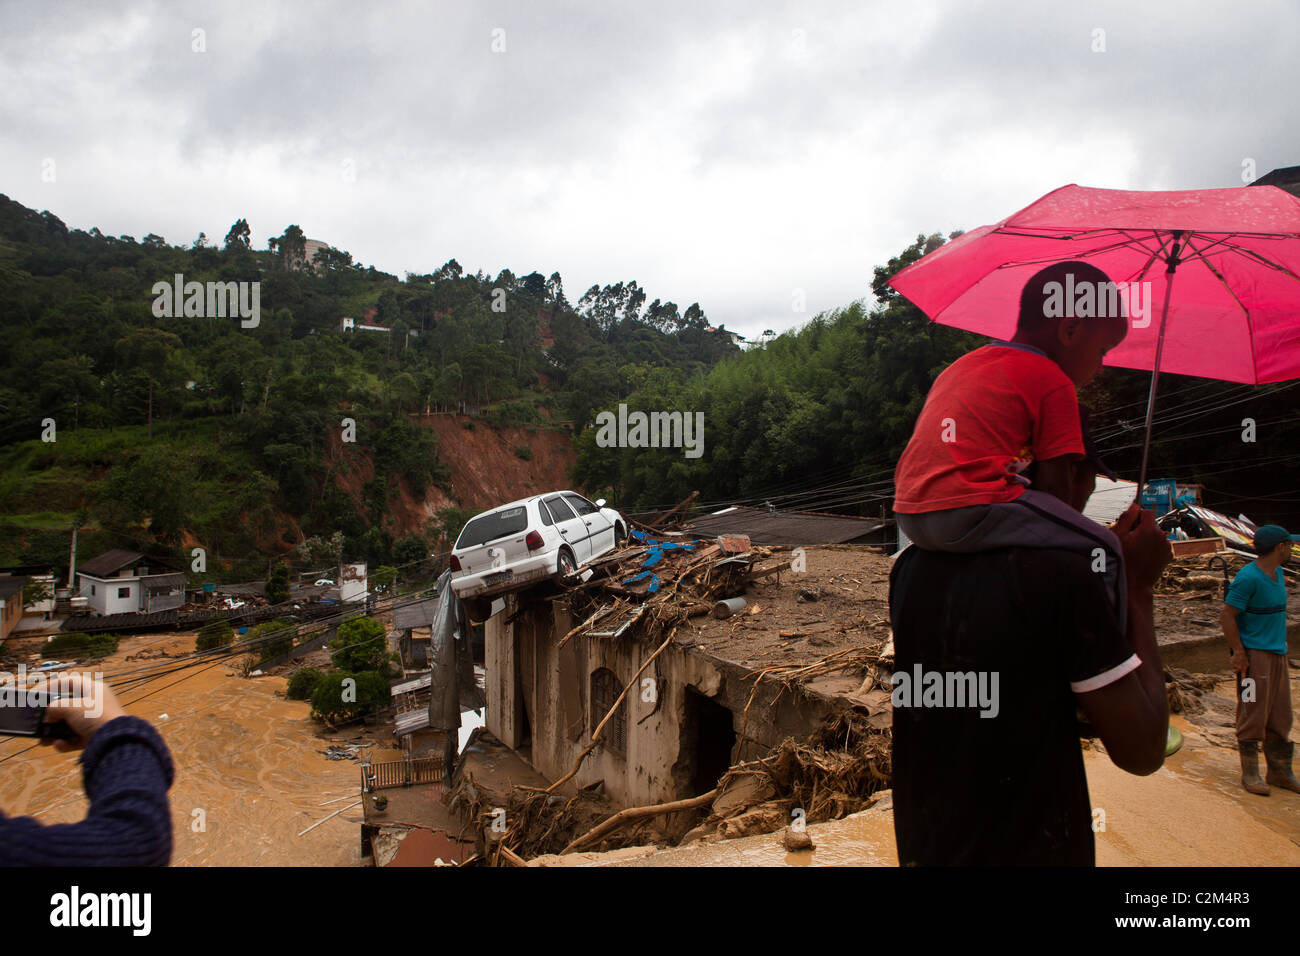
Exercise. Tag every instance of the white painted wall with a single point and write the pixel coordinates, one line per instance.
(104, 600)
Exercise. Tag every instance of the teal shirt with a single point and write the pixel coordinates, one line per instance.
(1262, 603)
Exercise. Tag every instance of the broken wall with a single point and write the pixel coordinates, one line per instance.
(539, 701)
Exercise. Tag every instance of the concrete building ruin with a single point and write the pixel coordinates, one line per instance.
(678, 729)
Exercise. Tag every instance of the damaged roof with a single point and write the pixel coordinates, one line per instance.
(418, 614)
(786, 527)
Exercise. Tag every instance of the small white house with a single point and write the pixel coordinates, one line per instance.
(120, 582)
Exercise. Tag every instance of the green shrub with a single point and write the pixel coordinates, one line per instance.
(274, 645)
(303, 683)
(214, 634)
(80, 645)
(277, 584)
(524, 452)
(335, 700)
(361, 645)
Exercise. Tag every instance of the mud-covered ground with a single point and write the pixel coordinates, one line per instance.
(851, 609)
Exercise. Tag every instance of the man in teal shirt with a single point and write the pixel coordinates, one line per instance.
(1254, 622)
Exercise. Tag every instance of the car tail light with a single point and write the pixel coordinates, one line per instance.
(534, 541)
(455, 563)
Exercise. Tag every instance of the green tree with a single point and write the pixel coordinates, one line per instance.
(290, 249)
(34, 592)
(410, 549)
(277, 584)
(361, 645)
(148, 350)
(341, 695)
(239, 235)
(303, 683)
(213, 634)
(272, 638)
(383, 579)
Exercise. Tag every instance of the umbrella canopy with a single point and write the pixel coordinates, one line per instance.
(1234, 253)
(1234, 314)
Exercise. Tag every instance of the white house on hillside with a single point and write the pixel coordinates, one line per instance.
(119, 582)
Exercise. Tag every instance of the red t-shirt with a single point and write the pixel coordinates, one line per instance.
(988, 416)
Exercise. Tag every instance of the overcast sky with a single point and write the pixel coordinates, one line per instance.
(725, 153)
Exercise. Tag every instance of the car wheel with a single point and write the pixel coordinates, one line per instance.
(620, 535)
(478, 609)
(564, 564)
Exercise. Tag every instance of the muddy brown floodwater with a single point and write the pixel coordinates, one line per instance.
(250, 772)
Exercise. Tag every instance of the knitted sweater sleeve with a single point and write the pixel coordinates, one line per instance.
(126, 771)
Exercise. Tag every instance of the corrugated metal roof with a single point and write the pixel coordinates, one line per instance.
(423, 682)
(419, 614)
(785, 527)
(1109, 499)
(411, 721)
(110, 562)
(164, 580)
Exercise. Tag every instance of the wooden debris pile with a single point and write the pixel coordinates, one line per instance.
(838, 771)
(1193, 577)
(661, 580)
(524, 822)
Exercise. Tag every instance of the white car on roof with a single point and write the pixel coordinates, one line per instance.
(530, 540)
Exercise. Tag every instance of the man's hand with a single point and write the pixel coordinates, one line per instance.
(1240, 662)
(84, 704)
(1146, 550)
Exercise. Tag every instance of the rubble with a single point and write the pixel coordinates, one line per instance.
(339, 753)
(659, 591)
(796, 840)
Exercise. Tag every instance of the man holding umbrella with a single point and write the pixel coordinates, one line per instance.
(1254, 622)
(1234, 316)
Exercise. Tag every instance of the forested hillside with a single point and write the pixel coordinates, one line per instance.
(184, 430)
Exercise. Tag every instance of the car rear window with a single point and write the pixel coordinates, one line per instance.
(495, 524)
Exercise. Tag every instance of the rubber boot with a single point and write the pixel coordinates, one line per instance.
(1278, 752)
(1250, 767)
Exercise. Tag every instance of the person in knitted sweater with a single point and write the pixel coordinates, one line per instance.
(126, 772)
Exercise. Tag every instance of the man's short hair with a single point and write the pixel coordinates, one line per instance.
(1044, 301)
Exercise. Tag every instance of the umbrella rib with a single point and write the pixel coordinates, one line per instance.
(1161, 250)
(1263, 260)
(1250, 326)
(1127, 242)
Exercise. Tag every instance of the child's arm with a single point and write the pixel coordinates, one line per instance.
(1053, 476)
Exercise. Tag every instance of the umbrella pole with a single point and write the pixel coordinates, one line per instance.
(1155, 371)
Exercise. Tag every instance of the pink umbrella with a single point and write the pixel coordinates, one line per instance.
(1235, 252)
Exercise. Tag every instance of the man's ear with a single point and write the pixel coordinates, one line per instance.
(1068, 329)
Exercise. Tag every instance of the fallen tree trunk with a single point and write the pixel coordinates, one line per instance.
(638, 813)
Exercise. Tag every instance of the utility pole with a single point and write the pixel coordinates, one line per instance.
(72, 556)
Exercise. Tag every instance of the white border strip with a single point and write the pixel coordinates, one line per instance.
(1107, 677)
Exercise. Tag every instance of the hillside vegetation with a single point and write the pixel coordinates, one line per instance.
(173, 431)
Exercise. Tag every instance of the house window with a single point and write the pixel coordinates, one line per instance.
(92, 590)
(124, 592)
(605, 689)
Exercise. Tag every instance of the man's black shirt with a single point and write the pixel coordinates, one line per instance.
(1009, 788)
